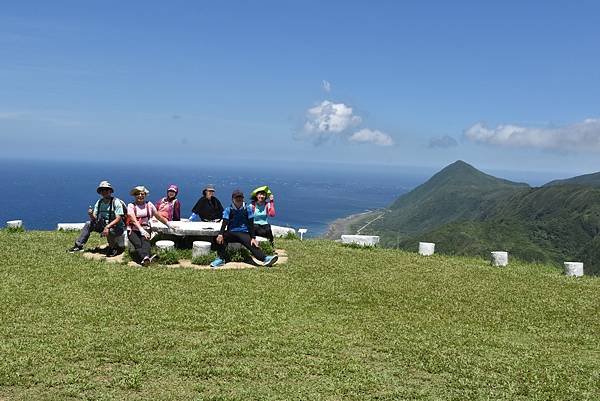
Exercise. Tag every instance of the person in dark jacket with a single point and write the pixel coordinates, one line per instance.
(208, 208)
(238, 226)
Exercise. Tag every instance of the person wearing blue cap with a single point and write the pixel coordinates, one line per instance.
(238, 226)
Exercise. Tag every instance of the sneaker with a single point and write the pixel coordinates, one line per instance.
(76, 248)
(145, 261)
(112, 252)
(217, 262)
(270, 260)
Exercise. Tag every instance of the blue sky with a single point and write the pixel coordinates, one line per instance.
(510, 85)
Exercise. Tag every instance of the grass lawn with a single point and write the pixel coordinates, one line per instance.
(333, 323)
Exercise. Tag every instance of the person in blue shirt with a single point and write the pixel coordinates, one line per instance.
(238, 226)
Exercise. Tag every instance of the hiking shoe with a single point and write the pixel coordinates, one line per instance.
(76, 248)
(112, 252)
(217, 262)
(145, 261)
(270, 260)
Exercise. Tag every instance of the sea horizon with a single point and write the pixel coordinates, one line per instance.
(309, 196)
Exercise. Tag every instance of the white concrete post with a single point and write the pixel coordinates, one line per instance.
(574, 269)
(14, 224)
(200, 248)
(165, 245)
(499, 258)
(302, 231)
(426, 248)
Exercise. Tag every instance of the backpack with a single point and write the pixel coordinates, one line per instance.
(111, 209)
(129, 220)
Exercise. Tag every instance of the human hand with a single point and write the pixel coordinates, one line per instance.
(219, 239)
(105, 232)
(254, 242)
(145, 233)
(271, 197)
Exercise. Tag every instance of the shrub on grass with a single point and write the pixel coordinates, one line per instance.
(238, 255)
(358, 246)
(266, 247)
(291, 235)
(170, 257)
(14, 229)
(204, 260)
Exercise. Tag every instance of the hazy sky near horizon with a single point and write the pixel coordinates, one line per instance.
(509, 85)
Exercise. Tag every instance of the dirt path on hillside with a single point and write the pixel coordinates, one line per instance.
(342, 226)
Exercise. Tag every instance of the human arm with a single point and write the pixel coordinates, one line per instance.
(176, 210)
(271, 207)
(224, 224)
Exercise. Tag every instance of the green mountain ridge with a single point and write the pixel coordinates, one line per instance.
(467, 212)
(586, 179)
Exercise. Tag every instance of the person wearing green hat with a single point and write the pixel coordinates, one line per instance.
(263, 209)
(106, 218)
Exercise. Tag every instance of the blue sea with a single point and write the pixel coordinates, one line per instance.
(43, 194)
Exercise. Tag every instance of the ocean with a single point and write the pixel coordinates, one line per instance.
(44, 193)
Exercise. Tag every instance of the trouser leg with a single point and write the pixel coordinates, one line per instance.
(264, 231)
(85, 232)
(113, 237)
(141, 245)
(244, 239)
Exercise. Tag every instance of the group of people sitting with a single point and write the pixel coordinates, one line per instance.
(240, 222)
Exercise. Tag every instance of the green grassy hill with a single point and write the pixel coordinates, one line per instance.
(549, 224)
(333, 323)
(466, 212)
(592, 180)
(458, 192)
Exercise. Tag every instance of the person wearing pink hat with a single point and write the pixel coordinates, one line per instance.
(169, 207)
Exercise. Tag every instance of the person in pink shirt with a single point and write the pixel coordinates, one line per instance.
(139, 214)
(169, 207)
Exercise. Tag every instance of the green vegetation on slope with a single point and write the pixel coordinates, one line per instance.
(333, 323)
(466, 212)
(458, 192)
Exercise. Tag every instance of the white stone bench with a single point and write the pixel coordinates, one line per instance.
(364, 240)
(200, 248)
(574, 269)
(499, 258)
(69, 226)
(204, 228)
(165, 245)
(14, 224)
(426, 248)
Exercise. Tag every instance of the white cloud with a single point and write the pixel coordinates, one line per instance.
(367, 135)
(326, 86)
(330, 121)
(330, 118)
(584, 135)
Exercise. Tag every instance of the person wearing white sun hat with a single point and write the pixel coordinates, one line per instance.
(106, 217)
(139, 229)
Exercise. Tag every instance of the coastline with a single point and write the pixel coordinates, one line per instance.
(342, 225)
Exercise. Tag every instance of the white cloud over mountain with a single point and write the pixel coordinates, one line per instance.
(366, 135)
(329, 120)
(584, 135)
